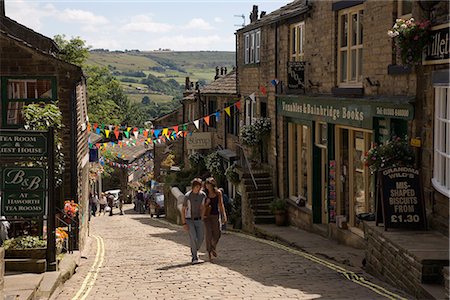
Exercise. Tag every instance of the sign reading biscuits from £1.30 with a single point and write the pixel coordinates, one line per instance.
(23, 192)
(403, 204)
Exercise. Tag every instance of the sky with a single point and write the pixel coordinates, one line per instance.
(179, 25)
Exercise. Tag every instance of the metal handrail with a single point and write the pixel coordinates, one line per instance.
(248, 165)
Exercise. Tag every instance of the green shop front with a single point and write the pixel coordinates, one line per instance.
(327, 139)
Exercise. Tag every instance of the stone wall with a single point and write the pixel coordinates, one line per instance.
(173, 200)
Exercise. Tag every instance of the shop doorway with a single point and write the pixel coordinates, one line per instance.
(355, 187)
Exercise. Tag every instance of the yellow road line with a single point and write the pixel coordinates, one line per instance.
(89, 282)
(346, 273)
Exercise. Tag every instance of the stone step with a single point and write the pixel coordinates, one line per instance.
(259, 181)
(260, 200)
(262, 212)
(255, 175)
(260, 193)
(29, 265)
(265, 219)
(261, 187)
(434, 291)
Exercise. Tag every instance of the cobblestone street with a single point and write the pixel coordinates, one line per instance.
(145, 258)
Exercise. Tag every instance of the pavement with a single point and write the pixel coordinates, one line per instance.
(137, 257)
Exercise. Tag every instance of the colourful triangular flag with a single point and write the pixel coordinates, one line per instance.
(156, 132)
(127, 134)
(252, 96)
(206, 119)
(165, 131)
(175, 128)
(116, 133)
(146, 133)
(107, 133)
(136, 133)
(227, 110)
(263, 90)
(217, 116)
(238, 105)
(197, 123)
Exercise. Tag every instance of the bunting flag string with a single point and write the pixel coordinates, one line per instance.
(154, 136)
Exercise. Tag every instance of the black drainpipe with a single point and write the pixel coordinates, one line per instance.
(184, 121)
(276, 113)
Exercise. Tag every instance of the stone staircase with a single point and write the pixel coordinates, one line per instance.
(260, 196)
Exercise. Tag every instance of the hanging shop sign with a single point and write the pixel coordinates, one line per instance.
(199, 140)
(402, 202)
(23, 192)
(357, 113)
(437, 52)
(22, 143)
(296, 75)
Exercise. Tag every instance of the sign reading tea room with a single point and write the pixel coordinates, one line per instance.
(14, 143)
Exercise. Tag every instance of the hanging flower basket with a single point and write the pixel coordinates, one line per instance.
(231, 174)
(394, 153)
(411, 37)
(253, 134)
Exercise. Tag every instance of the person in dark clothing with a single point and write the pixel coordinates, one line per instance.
(110, 199)
(217, 215)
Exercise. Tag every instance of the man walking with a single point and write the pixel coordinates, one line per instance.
(191, 217)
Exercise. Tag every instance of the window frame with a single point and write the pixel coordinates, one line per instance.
(232, 121)
(5, 100)
(441, 144)
(252, 46)
(212, 109)
(358, 47)
(297, 30)
(400, 13)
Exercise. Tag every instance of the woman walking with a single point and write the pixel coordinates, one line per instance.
(214, 204)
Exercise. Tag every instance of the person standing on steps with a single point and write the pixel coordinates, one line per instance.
(217, 215)
(191, 217)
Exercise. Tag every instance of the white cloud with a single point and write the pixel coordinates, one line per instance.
(82, 16)
(142, 23)
(28, 13)
(198, 23)
(218, 20)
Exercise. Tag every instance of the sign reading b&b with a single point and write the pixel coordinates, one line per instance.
(23, 191)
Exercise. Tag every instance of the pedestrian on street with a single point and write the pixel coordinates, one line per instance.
(140, 202)
(191, 217)
(93, 201)
(103, 202)
(121, 200)
(110, 199)
(227, 205)
(217, 215)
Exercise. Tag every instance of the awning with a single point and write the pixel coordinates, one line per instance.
(227, 154)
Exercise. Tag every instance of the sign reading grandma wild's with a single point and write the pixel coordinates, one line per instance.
(22, 143)
(402, 201)
(23, 192)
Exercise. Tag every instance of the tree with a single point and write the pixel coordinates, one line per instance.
(106, 103)
(73, 51)
(145, 100)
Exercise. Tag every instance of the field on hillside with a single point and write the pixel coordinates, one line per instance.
(131, 66)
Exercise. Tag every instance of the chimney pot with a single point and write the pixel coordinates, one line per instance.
(217, 73)
(187, 84)
(225, 71)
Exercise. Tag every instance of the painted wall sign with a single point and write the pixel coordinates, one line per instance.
(22, 143)
(296, 75)
(199, 140)
(358, 113)
(437, 52)
(23, 192)
(402, 201)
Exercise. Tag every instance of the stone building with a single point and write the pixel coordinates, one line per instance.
(327, 75)
(30, 73)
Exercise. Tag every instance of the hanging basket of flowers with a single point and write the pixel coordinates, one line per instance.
(394, 153)
(252, 134)
(231, 174)
(411, 37)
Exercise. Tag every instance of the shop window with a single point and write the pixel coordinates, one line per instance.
(18, 92)
(350, 47)
(321, 134)
(232, 122)
(441, 172)
(297, 40)
(404, 9)
(252, 47)
(299, 163)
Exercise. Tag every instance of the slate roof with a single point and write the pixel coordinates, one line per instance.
(290, 10)
(223, 85)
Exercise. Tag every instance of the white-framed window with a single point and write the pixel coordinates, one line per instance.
(232, 122)
(404, 9)
(250, 111)
(441, 171)
(297, 40)
(299, 163)
(350, 46)
(252, 47)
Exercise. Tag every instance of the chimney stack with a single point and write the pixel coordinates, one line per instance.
(2, 8)
(217, 73)
(263, 13)
(221, 71)
(187, 85)
(225, 71)
(254, 14)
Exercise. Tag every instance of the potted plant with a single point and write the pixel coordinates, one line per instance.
(231, 174)
(411, 37)
(25, 247)
(252, 135)
(278, 207)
